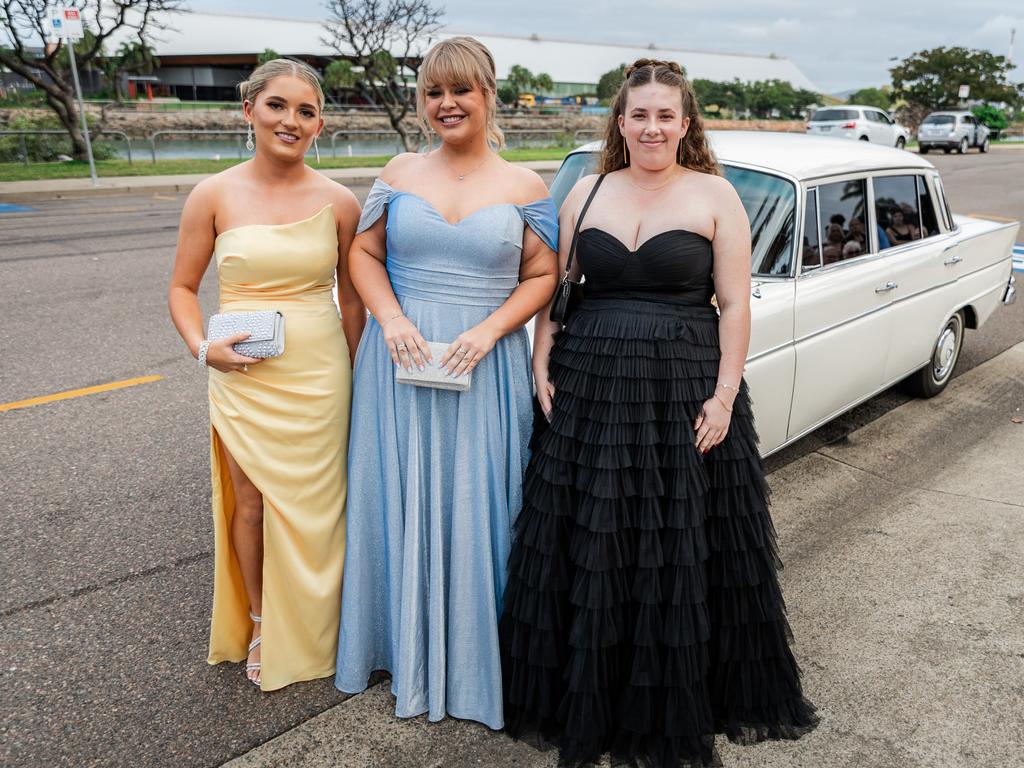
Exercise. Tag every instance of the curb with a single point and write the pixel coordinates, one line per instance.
(66, 189)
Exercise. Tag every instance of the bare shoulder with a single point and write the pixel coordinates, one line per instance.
(526, 184)
(398, 165)
(339, 196)
(719, 186)
(580, 190)
(204, 197)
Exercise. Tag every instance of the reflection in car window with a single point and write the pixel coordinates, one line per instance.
(947, 214)
(939, 120)
(574, 168)
(770, 203)
(897, 210)
(811, 249)
(842, 217)
(929, 221)
(834, 114)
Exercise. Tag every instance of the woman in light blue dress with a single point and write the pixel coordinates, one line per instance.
(454, 246)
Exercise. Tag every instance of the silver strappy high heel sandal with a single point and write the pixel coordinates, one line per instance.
(255, 666)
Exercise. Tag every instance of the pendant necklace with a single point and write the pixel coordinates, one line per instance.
(462, 176)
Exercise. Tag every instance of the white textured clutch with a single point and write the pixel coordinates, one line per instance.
(433, 374)
(266, 329)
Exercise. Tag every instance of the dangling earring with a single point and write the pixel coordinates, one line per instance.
(625, 151)
(679, 152)
(316, 148)
(249, 143)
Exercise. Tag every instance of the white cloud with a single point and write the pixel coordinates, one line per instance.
(780, 29)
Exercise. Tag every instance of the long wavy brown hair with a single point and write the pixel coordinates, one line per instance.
(694, 152)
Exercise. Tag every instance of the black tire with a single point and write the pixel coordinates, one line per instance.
(947, 150)
(983, 148)
(901, 143)
(933, 378)
(864, 138)
(962, 147)
(923, 149)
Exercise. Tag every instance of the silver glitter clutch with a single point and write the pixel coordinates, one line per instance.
(266, 328)
(433, 374)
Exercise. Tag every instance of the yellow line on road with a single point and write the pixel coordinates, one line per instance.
(78, 392)
(990, 216)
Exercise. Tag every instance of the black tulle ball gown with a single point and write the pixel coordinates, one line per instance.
(643, 613)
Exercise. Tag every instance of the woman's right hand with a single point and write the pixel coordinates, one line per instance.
(406, 345)
(545, 389)
(222, 356)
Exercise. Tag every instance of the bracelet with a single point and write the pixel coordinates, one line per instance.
(393, 317)
(729, 386)
(722, 402)
(204, 347)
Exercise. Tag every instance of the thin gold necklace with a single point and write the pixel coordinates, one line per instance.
(651, 189)
(462, 176)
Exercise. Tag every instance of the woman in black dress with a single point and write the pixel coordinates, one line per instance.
(643, 613)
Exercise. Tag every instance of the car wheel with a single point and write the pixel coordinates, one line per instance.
(923, 149)
(962, 148)
(900, 143)
(864, 138)
(984, 146)
(946, 150)
(933, 378)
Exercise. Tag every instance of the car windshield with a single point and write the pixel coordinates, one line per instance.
(770, 203)
(823, 115)
(939, 120)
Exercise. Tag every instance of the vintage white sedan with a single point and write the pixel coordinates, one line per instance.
(861, 275)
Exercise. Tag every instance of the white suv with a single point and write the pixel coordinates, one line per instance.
(853, 121)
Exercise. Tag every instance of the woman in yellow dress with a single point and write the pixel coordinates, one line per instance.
(280, 233)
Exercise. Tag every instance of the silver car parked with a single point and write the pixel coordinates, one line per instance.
(855, 121)
(952, 130)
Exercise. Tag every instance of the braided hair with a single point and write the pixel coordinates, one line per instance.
(694, 152)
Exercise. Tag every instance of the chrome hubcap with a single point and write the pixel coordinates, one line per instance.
(945, 352)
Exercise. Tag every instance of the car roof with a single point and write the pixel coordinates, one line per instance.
(957, 112)
(853, 106)
(800, 155)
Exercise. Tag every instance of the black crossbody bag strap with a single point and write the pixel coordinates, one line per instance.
(579, 221)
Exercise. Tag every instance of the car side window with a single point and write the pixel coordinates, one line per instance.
(947, 215)
(842, 215)
(871, 116)
(897, 210)
(811, 249)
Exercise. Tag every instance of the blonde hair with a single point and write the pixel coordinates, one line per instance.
(694, 152)
(460, 61)
(264, 73)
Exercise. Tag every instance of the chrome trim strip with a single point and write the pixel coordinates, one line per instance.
(767, 352)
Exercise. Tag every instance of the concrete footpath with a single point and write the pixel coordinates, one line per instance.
(904, 545)
(51, 189)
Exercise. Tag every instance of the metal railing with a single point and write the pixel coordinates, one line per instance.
(46, 132)
(175, 132)
(336, 134)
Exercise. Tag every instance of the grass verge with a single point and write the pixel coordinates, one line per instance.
(144, 167)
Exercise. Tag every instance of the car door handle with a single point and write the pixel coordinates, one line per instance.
(756, 293)
(886, 288)
(953, 260)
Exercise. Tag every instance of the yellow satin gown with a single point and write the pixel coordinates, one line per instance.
(285, 421)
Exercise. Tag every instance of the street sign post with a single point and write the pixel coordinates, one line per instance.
(66, 25)
(964, 92)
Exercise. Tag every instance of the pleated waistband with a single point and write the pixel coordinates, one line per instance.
(662, 304)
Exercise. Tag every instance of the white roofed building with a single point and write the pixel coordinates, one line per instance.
(204, 55)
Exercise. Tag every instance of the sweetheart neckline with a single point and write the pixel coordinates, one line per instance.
(469, 215)
(648, 240)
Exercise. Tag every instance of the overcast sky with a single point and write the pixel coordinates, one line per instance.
(840, 47)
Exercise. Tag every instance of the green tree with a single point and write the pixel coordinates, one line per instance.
(610, 82)
(766, 96)
(24, 22)
(385, 40)
(992, 117)
(269, 54)
(929, 80)
(872, 97)
(133, 57)
(508, 95)
(524, 81)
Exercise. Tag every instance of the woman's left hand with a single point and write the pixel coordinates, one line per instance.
(712, 425)
(465, 353)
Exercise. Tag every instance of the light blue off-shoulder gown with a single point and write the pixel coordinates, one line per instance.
(435, 476)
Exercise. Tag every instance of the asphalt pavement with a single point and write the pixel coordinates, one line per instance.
(106, 548)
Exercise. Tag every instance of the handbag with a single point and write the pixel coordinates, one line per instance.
(433, 375)
(265, 328)
(569, 294)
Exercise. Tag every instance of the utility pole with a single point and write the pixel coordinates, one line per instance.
(1009, 53)
(81, 109)
(65, 24)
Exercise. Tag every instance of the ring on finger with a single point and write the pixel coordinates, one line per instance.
(401, 347)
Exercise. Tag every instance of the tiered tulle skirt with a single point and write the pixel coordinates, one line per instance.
(643, 613)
